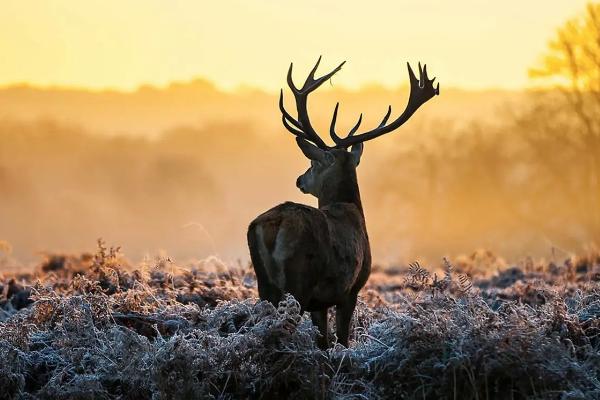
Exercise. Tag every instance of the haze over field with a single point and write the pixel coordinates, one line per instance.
(78, 165)
(183, 164)
(149, 111)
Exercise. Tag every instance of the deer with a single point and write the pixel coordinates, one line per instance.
(321, 255)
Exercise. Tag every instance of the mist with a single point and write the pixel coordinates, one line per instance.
(182, 170)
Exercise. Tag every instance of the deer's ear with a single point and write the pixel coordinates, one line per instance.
(356, 153)
(311, 151)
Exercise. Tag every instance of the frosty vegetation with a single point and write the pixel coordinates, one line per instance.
(96, 327)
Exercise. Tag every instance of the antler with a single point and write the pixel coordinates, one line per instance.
(302, 127)
(421, 90)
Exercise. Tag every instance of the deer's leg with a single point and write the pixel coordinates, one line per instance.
(262, 260)
(262, 279)
(319, 319)
(343, 318)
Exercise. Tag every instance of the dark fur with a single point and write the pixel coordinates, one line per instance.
(330, 259)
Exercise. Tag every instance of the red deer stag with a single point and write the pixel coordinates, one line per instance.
(322, 255)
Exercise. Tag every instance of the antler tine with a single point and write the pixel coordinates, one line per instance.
(303, 123)
(290, 128)
(355, 128)
(285, 114)
(311, 84)
(334, 136)
(288, 121)
(290, 81)
(386, 117)
(411, 75)
(311, 75)
(421, 91)
(332, 132)
(298, 127)
(318, 82)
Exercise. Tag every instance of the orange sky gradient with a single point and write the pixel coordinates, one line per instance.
(472, 44)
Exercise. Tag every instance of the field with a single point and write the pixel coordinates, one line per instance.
(92, 326)
(166, 127)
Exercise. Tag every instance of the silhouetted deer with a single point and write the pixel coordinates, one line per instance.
(322, 255)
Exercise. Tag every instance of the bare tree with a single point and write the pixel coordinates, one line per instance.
(567, 120)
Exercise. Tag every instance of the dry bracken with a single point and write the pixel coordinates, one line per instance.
(94, 326)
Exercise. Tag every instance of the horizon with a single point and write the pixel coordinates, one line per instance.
(366, 86)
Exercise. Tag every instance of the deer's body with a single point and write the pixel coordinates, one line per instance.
(319, 255)
(322, 255)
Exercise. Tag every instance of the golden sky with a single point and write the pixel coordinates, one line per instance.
(124, 43)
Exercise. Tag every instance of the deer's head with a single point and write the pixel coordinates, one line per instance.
(327, 167)
(332, 165)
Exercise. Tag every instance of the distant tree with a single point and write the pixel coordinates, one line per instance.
(530, 185)
(572, 62)
(563, 127)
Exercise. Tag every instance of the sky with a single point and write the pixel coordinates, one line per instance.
(121, 44)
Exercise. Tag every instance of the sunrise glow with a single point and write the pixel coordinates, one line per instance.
(123, 44)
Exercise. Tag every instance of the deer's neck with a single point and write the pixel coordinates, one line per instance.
(344, 191)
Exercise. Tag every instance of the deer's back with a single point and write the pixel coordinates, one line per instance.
(317, 255)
